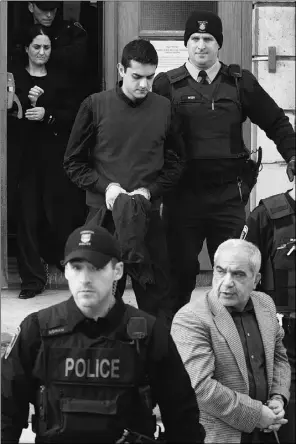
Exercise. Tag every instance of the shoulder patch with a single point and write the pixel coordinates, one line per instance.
(244, 232)
(12, 342)
(78, 25)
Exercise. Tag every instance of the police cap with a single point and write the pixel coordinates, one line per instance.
(47, 6)
(92, 244)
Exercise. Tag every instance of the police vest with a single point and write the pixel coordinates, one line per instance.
(278, 278)
(211, 115)
(92, 388)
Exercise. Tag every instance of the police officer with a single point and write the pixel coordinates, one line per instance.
(93, 366)
(69, 41)
(212, 101)
(271, 226)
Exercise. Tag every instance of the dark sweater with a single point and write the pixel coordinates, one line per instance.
(116, 140)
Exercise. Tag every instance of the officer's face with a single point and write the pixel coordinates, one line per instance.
(92, 287)
(39, 50)
(233, 279)
(202, 50)
(137, 79)
(44, 18)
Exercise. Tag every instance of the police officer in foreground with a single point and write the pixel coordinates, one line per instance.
(93, 366)
(271, 226)
(213, 100)
(69, 41)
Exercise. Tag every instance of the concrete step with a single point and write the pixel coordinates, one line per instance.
(56, 278)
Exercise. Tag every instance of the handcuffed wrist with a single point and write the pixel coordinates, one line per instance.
(112, 184)
(279, 398)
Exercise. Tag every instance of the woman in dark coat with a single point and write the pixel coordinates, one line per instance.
(50, 205)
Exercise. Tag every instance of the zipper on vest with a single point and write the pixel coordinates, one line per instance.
(42, 403)
(239, 184)
(213, 106)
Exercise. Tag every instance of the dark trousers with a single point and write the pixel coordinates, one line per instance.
(153, 299)
(210, 212)
(48, 213)
(287, 432)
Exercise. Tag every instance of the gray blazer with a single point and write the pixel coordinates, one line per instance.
(211, 349)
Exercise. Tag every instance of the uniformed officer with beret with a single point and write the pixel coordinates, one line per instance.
(212, 101)
(93, 366)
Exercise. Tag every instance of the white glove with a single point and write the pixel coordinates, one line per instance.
(111, 193)
(143, 191)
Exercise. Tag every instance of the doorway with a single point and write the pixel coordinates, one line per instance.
(90, 16)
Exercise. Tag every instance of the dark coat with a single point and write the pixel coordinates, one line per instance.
(131, 218)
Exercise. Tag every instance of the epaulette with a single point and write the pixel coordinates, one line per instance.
(78, 25)
(277, 206)
(177, 74)
(235, 71)
(232, 70)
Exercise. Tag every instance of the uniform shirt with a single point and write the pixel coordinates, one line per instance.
(125, 144)
(211, 72)
(251, 340)
(170, 383)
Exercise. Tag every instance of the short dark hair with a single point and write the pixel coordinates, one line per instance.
(141, 51)
(32, 32)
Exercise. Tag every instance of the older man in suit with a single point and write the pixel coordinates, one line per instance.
(231, 344)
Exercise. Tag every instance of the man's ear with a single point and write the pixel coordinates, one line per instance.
(120, 69)
(257, 279)
(30, 7)
(66, 271)
(118, 269)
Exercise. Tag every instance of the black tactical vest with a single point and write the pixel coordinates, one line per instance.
(278, 278)
(211, 114)
(92, 388)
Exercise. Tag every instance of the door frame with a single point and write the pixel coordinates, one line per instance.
(3, 145)
(121, 24)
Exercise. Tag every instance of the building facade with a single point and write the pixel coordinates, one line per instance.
(258, 35)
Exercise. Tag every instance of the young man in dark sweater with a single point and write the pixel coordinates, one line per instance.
(122, 142)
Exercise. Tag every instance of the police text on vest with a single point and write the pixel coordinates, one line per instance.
(97, 368)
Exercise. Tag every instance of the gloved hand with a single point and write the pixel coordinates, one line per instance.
(291, 168)
(111, 193)
(143, 191)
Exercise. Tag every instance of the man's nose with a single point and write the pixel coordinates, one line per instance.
(49, 14)
(143, 83)
(201, 44)
(85, 276)
(228, 280)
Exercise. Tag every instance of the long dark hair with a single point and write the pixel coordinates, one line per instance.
(32, 32)
(28, 36)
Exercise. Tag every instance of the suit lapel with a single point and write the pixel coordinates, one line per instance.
(228, 330)
(267, 335)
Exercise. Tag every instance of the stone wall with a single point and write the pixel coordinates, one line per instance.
(273, 26)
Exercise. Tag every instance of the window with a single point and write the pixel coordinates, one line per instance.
(169, 15)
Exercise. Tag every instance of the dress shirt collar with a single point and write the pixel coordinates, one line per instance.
(112, 318)
(127, 100)
(211, 72)
(249, 307)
